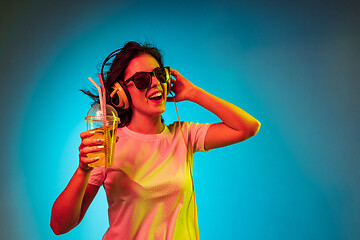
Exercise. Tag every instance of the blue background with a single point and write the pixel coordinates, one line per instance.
(294, 65)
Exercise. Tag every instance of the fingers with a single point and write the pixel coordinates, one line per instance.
(87, 161)
(85, 150)
(87, 134)
(88, 140)
(89, 144)
(92, 141)
(175, 73)
(84, 161)
(178, 78)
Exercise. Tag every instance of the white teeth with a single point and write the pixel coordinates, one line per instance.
(158, 94)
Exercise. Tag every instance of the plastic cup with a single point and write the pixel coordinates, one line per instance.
(105, 128)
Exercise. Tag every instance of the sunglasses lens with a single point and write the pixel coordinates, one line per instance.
(142, 81)
(162, 74)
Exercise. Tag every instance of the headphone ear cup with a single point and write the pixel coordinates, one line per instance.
(169, 83)
(120, 97)
(168, 89)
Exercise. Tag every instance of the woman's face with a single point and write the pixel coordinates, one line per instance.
(143, 102)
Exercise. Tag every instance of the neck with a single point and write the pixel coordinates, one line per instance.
(146, 125)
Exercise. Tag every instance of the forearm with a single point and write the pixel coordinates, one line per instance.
(233, 116)
(66, 210)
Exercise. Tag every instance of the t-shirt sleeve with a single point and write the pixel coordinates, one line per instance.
(196, 135)
(97, 176)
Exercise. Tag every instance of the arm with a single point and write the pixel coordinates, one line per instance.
(71, 205)
(237, 125)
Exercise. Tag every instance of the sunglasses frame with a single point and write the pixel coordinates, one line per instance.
(152, 73)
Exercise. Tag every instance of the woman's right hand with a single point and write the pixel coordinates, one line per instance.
(89, 145)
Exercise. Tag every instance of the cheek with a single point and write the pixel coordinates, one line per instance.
(136, 95)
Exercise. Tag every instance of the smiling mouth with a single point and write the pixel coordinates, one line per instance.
(156, 97)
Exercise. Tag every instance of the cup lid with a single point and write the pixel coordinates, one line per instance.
(95, 113)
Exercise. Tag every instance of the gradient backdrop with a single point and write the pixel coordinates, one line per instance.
(292, 65)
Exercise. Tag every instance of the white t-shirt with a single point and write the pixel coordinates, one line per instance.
(149, 187)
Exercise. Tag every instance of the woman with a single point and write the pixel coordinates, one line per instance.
(149, 187)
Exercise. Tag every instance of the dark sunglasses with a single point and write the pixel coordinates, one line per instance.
(142, 80)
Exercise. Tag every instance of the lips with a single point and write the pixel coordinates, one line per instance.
(156, 96)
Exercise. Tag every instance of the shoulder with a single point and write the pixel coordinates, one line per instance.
(178, 125)
(187, 126)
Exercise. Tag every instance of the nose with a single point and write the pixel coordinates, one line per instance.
(154, 81)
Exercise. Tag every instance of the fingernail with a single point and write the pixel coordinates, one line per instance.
(100, 140)
(92, 132)
(100, 147)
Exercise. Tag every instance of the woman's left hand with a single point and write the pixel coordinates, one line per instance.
(182, 87)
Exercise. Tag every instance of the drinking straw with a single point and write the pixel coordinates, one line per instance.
(103, 95)
(100, 98)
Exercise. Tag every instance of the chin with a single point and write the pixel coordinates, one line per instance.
(161, 111)
(161, 107)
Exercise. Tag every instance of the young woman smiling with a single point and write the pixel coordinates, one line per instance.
(149, 187)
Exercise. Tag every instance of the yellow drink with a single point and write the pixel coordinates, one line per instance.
(108, 133)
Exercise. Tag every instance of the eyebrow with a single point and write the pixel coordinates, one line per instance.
(144, 72)
(128, 80)
(140, 72)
